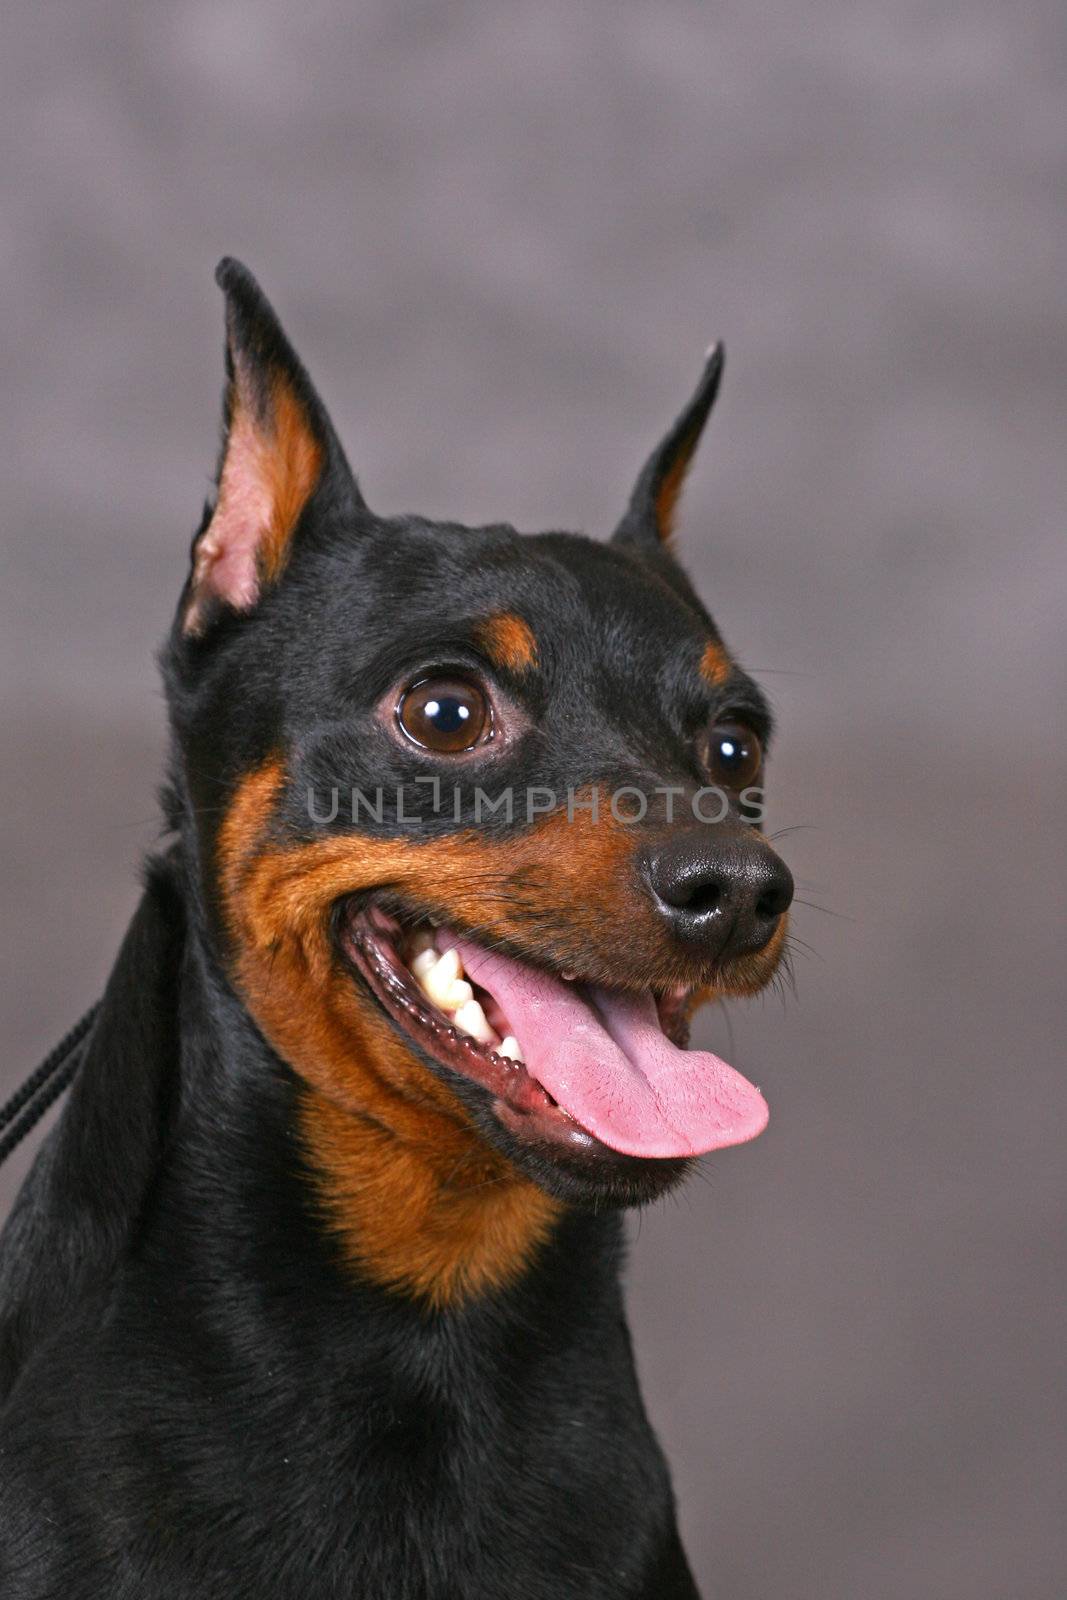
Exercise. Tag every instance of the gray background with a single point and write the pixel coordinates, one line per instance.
(502, 236)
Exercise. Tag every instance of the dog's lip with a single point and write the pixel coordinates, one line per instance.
(593, 1059)
(389, 918)
(368, 936)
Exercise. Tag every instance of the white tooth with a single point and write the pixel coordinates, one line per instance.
(451, 964)
(470, 1018)
(437, 981)
(421, 964)
(458, 995)
(509, 1047)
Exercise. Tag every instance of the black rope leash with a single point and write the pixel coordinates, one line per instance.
(43, 1088)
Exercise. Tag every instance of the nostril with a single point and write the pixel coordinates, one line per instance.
(699, 897)
(769, 904)
(685, 884)
(777, 894)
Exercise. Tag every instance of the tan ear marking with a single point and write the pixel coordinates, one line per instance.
(669, 493)
(650, 516)
(270, 469)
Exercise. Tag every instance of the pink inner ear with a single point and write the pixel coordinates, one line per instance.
(226, 565)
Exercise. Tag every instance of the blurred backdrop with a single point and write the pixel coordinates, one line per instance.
(502, 237)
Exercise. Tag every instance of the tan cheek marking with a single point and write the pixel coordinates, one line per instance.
(419, 1201)
(715, 665)
(508, 641)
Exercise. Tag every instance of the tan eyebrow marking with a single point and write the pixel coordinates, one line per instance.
(508, 641)
(715, 666)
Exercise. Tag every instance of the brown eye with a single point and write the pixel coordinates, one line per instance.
(445, 714)
(734, 755)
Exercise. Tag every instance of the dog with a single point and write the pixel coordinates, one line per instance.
(314, 1288)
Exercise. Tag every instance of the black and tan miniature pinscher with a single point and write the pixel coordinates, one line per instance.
(313, 1291)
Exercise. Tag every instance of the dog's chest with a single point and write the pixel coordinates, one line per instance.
(440, 1498)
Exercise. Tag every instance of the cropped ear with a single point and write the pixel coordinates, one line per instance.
(278, 450)
(649, 518)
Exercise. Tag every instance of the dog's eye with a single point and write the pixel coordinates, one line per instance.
(734, 755)
(445, 714)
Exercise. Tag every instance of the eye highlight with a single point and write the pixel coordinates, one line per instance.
(447, 715)
(733, 755)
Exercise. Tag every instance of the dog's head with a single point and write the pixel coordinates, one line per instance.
(475, 817)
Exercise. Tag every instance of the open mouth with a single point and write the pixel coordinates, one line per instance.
(564, 1062)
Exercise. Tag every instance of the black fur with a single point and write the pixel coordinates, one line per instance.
(198, 1400)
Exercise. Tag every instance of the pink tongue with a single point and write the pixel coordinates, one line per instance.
(603, 1056)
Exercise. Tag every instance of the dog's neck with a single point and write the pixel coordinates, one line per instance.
(201, 1125)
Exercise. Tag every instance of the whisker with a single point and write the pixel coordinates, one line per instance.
(814, 906)
(796, 944)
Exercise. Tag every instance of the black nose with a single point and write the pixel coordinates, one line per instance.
(725, 894)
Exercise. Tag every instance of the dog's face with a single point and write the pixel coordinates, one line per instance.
(474, 814)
